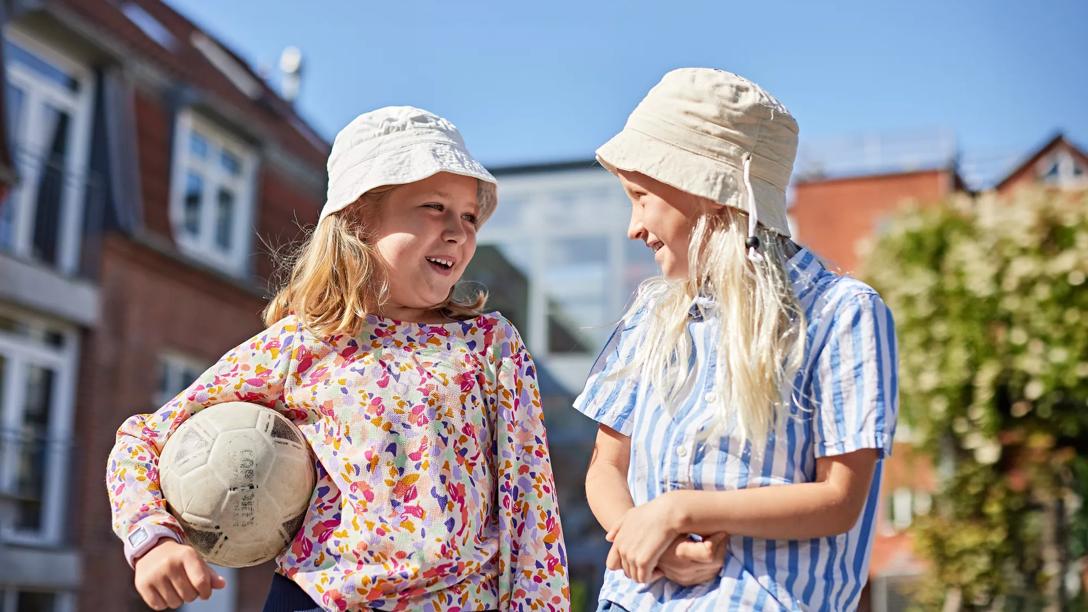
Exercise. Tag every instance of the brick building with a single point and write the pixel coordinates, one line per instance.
(146, 166)
(835, 215)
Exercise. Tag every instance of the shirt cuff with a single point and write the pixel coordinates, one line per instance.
(143, 539)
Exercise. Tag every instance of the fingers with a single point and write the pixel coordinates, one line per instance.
(613, 562)
(219, 582)
(696, 552)
(182, 587)
(151, 597)
(169, 595)
(200, 576)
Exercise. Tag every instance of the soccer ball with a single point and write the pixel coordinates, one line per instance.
(238, 477)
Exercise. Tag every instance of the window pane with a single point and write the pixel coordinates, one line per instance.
(224, 219)
(230, 163)
(194, 194)
(48, 209)
(29, 601)
(33, 454)
(50, 72)
(14, 107)
(198, 145)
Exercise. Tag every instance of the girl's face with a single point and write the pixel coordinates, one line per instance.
(663, 216)
(426, 233)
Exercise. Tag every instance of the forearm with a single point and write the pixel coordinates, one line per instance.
(786, 512)
(607, 493)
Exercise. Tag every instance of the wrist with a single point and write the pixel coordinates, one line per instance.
(676, 515)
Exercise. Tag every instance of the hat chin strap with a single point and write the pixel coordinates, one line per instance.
(753, 216)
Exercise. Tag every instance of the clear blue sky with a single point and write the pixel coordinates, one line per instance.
(549, 81)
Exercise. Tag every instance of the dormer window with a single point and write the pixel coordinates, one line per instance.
(212, 193)
(1063, 170)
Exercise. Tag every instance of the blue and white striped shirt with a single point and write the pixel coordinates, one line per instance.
(847, 401)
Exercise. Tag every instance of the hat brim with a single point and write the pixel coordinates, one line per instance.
(714, 179)
(408, 165)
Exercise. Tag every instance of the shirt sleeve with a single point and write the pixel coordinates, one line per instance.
(254, 371)
(855, 384)
(532, 555)
(610, 393)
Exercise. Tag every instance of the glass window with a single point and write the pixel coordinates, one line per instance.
(211, 202)
(43, 68)
(48, 129)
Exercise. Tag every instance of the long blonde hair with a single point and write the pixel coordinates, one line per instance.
(761, 325)
(337, 277)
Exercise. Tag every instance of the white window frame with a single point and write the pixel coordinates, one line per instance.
(203, 246)
(176, 367)
(19, 353)
(1065, 162)
(78, 105)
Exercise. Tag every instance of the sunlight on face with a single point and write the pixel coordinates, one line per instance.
(426, 233)
(662, 217)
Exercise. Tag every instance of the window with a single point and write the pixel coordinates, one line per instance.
(1061, 169)
(212, 196)
(48, 100)
(37, 369)
(35, 601)
(176, 372)
(564, 234)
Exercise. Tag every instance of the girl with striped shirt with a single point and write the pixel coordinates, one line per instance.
(747, 399)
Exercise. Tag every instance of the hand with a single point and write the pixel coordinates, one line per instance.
(171, 574)
(687, 562)
(640, 538)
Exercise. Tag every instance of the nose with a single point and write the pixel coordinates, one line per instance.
(454, 231)
(635, 229)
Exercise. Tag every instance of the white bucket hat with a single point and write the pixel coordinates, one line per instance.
(716, 135)
(396, 145)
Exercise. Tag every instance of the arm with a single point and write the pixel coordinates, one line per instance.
(685, 562)
(828, 506)
(606, 477)
(167, 571)
(532, 556)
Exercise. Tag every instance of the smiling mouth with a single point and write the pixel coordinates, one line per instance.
(440, 263)
(655, 246)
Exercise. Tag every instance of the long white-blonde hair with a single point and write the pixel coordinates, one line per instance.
(337, 277)
(762, 329)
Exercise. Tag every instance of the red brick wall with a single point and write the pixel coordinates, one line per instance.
(833, 216)
(283, 208)
(154, 129)
(151, 302)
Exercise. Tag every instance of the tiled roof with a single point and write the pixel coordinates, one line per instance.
(176, 50)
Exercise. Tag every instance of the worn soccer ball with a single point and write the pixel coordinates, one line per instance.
(239, 477)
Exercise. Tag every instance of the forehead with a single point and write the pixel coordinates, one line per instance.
(450, 187)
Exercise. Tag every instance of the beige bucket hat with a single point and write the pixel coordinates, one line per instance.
(396, 145)
(713, 134)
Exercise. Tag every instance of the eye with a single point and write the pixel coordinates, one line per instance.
(436, 206)
(471, 218)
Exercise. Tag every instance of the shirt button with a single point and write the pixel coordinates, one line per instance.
(683, 452)
(711, 397)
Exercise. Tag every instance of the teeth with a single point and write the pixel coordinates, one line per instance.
(442, 262)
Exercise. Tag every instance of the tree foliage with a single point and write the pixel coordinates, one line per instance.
(991, 305)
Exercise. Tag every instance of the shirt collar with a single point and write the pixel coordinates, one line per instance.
(801, 268)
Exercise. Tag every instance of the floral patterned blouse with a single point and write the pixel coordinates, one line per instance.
(434, 485)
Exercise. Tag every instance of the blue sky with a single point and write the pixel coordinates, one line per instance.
(549, 81)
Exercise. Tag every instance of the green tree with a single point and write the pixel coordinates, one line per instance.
(991, 305)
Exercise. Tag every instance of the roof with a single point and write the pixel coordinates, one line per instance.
(1054, 142)
(165, 38)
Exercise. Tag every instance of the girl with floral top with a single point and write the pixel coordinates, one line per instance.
(434, 488)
